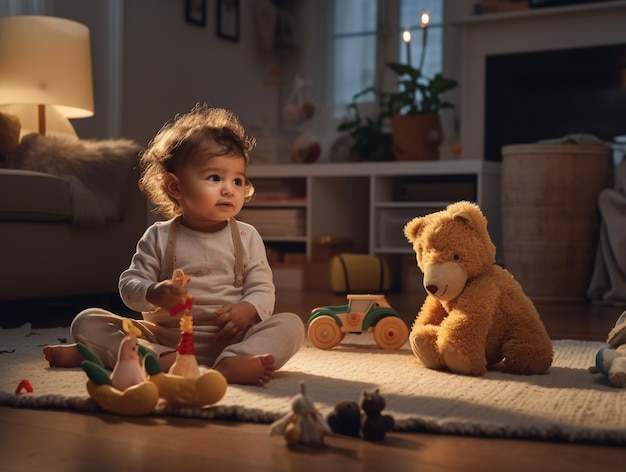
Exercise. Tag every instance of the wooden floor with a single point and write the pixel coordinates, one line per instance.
(55, 440)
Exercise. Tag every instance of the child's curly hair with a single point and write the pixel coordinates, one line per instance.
(217, 130)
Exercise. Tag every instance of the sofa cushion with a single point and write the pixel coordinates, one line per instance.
(99, 173)
(33, 196)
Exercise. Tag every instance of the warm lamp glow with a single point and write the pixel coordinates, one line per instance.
(56, 123)
(425, 19)
(46, 61)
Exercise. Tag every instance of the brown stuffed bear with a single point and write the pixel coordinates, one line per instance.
(475, 314)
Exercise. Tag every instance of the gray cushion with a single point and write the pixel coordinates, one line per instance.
(33, 196)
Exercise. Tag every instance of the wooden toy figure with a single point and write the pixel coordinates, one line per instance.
(185, 364)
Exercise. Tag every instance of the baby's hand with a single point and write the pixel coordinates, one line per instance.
(166, 294)
(234, 319)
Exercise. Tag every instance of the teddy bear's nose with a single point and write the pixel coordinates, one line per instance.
(432, 288)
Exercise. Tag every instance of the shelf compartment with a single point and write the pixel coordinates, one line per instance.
(435, 187)
(276, 222)
(390, 232)
(279, 192)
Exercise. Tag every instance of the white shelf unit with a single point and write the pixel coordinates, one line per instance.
(371, 202)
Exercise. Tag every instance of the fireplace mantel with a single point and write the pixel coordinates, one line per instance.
(592, 24)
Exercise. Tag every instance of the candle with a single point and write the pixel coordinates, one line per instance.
(406, 37)
(424, 20)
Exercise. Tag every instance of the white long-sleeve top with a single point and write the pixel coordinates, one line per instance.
(209, 259)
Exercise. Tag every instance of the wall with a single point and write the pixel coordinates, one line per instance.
(169, 65)
(150, 64)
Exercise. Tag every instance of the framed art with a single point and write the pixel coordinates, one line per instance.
(195, 12)
(228, 19)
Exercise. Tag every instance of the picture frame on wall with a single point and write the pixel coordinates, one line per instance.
(228, 19)
(195, 12)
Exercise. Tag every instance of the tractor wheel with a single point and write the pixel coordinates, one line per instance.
(324, 332)
(391, 333)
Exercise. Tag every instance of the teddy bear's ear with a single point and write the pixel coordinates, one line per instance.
(413, 228)
(466, 212)
(463, 216)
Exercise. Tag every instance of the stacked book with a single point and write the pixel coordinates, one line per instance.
(275, 221)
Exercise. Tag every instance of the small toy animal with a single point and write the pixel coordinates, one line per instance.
(611, 361)
(128, 370)
(304, 425)
(345, 419)
(374, 425)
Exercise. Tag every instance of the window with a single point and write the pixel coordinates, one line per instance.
(362, 46)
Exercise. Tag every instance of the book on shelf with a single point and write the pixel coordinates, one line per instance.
(275, 221)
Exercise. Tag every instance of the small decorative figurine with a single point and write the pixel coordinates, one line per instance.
(186, 364)
(374, 425)
(128, 370)
(305, 425)
(611, 360)
(363, 419)
(126, 391)
(345, 419)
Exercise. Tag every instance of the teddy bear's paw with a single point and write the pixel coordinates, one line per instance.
(426, 351)
(460, 364)
(525, 365)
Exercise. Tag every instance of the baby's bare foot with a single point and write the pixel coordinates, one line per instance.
(63, 355)
(247, 370)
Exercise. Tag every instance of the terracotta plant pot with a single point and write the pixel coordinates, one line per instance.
(416, 137)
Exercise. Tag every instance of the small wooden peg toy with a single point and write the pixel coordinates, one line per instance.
(186, 364)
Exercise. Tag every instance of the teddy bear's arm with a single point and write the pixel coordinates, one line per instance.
(431, 313)
(425, 331)
(463, 334)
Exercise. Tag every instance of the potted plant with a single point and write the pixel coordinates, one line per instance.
(371, 138)
(411, 111)
(415, 120)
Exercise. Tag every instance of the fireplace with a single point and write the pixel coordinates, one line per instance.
(512, 90)
(549, 94)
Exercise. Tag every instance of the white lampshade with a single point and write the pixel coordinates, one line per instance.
(46, 61)
(56, 123)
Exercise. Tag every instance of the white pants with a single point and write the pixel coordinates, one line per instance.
(282, 335)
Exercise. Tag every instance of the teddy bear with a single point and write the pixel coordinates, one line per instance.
(475, 315)
(611, 361)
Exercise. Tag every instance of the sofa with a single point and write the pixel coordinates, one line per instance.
(71, 214)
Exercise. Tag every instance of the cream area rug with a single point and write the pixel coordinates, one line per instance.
(568, 404)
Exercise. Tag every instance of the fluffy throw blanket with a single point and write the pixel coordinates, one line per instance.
(98, 172)
(608, 282)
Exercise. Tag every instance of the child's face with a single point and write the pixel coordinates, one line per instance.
(209, 190)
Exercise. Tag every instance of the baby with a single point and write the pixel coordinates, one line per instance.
(194, 172)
